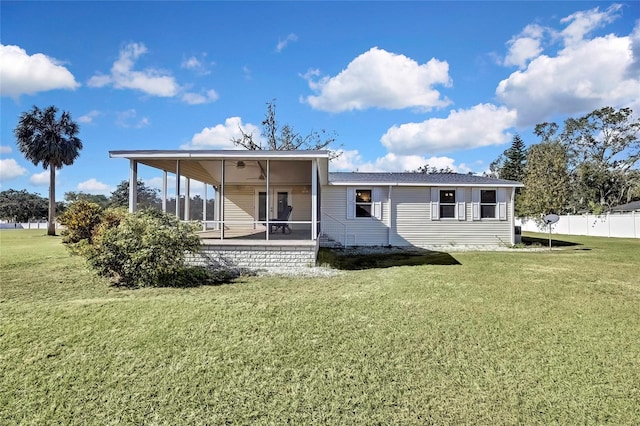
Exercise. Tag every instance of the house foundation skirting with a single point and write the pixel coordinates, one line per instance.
(257, 256)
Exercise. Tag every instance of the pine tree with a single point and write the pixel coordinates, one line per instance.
(515, 159)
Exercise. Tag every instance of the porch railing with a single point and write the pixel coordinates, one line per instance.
(247, 226)
(342, 235)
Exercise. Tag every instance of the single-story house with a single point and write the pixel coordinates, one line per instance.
(633, 206)
(275, 208)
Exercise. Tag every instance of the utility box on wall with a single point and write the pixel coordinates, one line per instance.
(518, 235)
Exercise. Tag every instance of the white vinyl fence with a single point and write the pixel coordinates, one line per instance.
(26, 225)
(625, 225)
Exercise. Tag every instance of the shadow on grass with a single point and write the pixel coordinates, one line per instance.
(535, 241)
(359, 259)
(190, 277)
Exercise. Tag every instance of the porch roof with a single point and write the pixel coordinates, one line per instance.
(193, 163)
(217, 154)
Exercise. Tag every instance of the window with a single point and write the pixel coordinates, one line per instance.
(448, 203)
(363, 203)
(488, 202)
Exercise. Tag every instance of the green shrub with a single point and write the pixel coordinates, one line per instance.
(80, 220)
(145, 248)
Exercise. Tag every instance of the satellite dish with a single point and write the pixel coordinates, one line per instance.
(551, 218)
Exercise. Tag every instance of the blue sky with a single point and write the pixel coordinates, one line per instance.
(401, 83)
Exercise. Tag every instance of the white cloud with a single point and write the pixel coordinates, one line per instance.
(352, 161)
(129, 119)
(4, 149)
(582, 23)
(89, 117)
(525, 46)
(10, 169)
(380, 79)
(150, 81)
(283, 43)
(583, 75)
(580, 78)
(481, 125)
(349, 160)
(22, 74)
(93, 186)
(634, 67)
(200, 98)
(246, 71)
(219, 136)
(41, 179)
(196, 65)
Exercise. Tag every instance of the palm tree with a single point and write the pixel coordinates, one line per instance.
(42, 138)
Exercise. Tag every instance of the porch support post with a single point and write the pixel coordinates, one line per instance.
(221, 203)
(204, 208)
(268, 231)
(187, 199)
(216, 206)
(314, 199)
(178, 189)
(133, 185)
(164, 191)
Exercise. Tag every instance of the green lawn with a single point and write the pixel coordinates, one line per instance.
(515, 337)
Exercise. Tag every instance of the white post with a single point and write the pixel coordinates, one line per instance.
(164, 191)
(187, 200)
(221, 214)
(178, 189)
(133, 185)
(204, 208)
(216, 206)
(314, 199)
(267, 201)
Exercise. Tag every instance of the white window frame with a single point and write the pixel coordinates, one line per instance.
(501, 204)
(494, 204)
(459, 205)
(363, 203)
(375, 203)
(453, 204)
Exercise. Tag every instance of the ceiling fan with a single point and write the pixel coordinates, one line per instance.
(241, 164)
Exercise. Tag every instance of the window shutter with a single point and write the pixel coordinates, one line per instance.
(502, 203)
(461, 204)
(351, 203)
(475, 200)
(377, 203)
(435, 205)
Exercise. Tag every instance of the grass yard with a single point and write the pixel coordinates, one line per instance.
(515, 337)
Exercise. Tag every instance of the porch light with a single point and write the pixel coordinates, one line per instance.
(240, 165)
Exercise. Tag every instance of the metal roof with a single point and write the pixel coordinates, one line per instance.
(204, 154)
(416, 179)
(629, 207)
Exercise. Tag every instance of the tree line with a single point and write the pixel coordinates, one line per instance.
(589, 164)
(23, 206)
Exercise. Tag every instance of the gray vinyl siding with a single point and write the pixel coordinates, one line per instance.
(406, 221)
(412, 224)
(301, 202)
(239, 205)
(357, 231)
